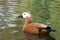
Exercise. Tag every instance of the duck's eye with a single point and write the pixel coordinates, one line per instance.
(24, 14)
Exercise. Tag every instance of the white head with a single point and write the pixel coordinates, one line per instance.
(26, 14)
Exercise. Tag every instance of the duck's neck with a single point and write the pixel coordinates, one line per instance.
(28, 20)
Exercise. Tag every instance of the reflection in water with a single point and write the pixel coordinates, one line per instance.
(11, 9)
(11, 25)
(8, 31)
(11, 18)
(49, 37)
(6, 20)
(13, 32)
(15, 15)
(3, 27)
(1, 7)
(0, 32)
(0, 20)
(1, 14)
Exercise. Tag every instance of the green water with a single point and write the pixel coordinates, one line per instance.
(43, 11)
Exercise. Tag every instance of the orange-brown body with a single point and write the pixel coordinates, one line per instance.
(32, 28)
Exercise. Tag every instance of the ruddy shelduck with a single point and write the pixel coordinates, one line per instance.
(33, 27)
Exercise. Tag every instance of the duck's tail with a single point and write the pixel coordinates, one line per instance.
(49, 29)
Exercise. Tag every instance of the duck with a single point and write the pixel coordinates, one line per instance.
(34, 27)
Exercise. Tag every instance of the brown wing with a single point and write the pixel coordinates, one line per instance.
(42, 27)
(34, 27)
